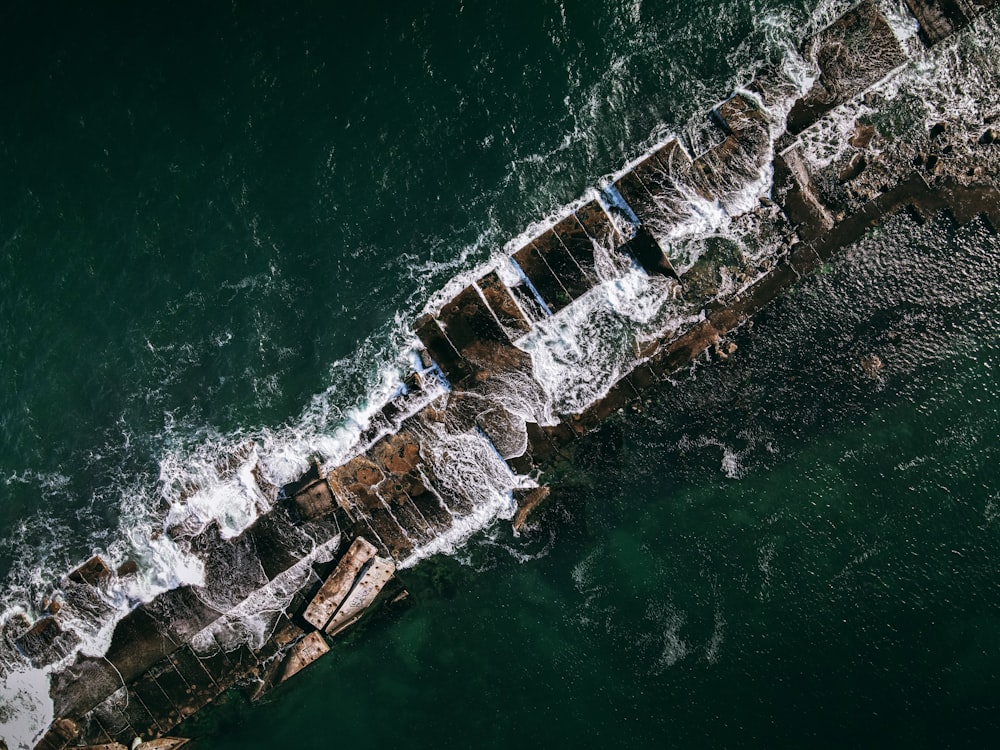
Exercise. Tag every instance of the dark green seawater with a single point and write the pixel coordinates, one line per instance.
(217, 221)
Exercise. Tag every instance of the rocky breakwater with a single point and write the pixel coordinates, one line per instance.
(493, 402)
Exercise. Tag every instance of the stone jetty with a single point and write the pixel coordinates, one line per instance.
(328, 548)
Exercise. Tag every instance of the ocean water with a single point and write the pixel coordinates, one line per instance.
(216, 226)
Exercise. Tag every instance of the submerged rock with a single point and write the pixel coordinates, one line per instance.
(871, 365)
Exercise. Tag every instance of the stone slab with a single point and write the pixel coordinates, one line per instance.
(137, 644)
(578, 244)
(314, 500)
(201, 686)
(528, 302)
(752, 299)
(503, 304)
(467, 319)
(140, 720)
(176, 688)
(635, 194)
(599, 226)
(939, 19)
(279, 544)
(533, 265)
(180, 613)
(793, 190)
(418, 529)
(648, 254)
(93, 572)
(165, 714)
(682, 350)
(441, 350)
(854, 52)
(303, 653)
(563, 264)
(363, 595)
(336, 588)
(666, 175)
(804, 260)
(527, 503)
(46, 642)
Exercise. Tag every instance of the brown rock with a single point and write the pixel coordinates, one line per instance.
(527, 504)
(989, 137)
(398, 455)
(127, 568)
(862, 136)
(92, 572)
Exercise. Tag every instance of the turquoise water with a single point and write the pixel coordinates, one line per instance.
(218, 225)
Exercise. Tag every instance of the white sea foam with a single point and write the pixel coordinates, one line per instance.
(26, 709)
(252, 621)
(466, 463)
